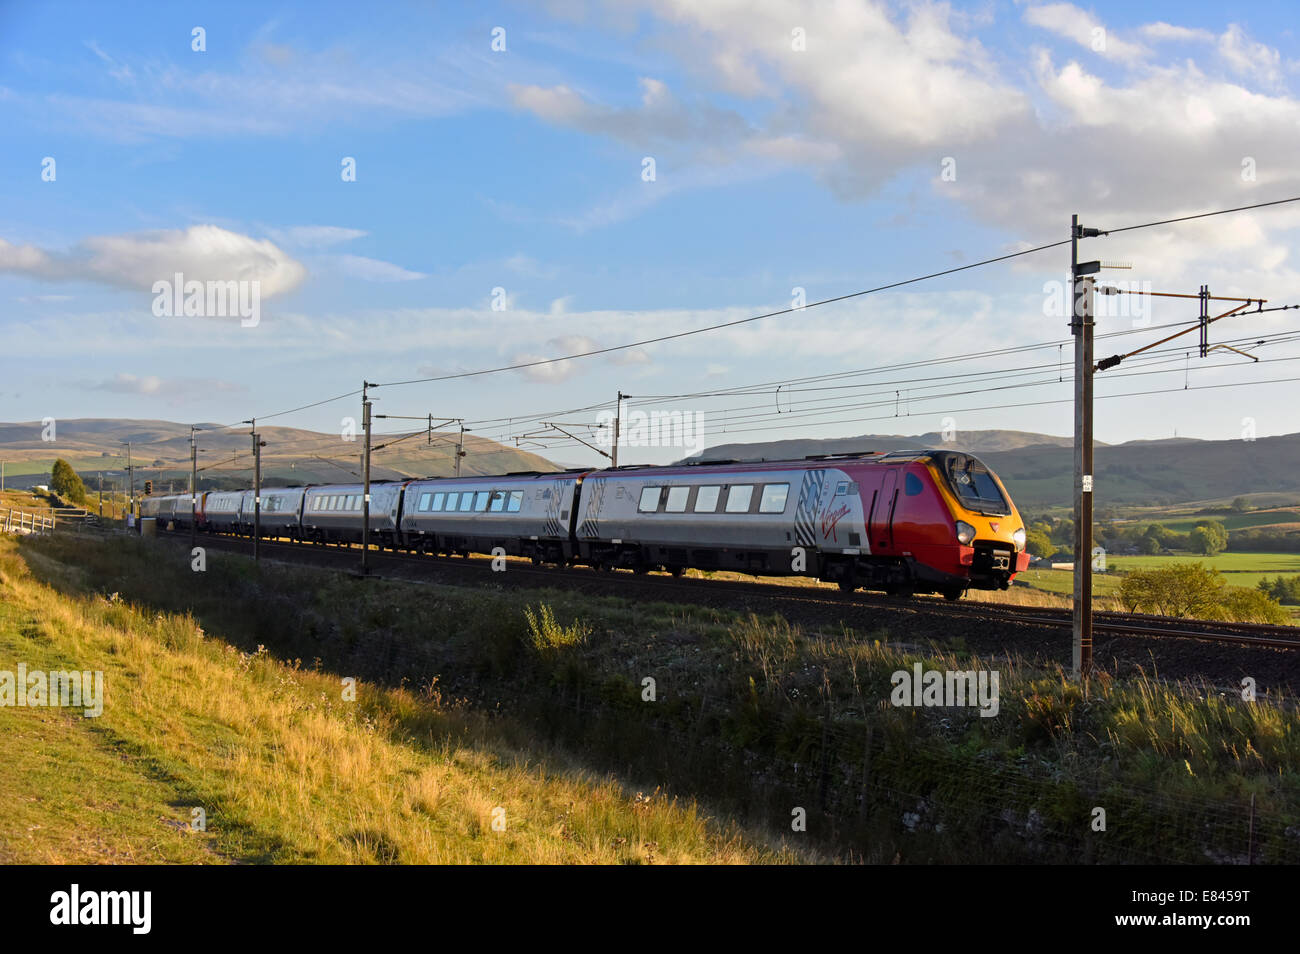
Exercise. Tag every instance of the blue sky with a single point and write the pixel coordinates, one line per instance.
(795, 145)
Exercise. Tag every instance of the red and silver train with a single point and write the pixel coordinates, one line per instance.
(932, 521)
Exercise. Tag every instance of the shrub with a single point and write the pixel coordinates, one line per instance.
(1190, 589)
(1244, 605)
(548, 637)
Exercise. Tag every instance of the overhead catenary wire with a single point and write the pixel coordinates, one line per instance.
(776, 313)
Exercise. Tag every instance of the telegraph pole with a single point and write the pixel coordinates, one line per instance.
(258, 444)
(1081, 326)
(194, 483)
(365, 479)
(618, 422)
(130, 475)
(460, 446)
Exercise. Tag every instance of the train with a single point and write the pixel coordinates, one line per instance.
(904, 522)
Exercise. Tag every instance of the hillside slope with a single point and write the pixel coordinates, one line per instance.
(160, 451)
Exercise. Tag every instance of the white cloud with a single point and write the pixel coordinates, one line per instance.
(1067, 20)
(1161, 31)
(314, 236)
(268, 89)
(1249, 58)
(137, 260)
(373, 270)
(551, 373)
(872, 93)
(173, 390)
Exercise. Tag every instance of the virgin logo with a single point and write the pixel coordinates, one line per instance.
(831, 518)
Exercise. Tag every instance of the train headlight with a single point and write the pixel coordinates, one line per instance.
(965, 533)
(1019, 538)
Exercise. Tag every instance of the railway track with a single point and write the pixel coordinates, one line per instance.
(616, 582)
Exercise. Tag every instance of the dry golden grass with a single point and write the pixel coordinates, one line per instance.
(286, 769)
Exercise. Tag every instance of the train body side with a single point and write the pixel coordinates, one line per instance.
(748, 518)
(886, 521)
(332, 513)
(223, 511)
(524, 515)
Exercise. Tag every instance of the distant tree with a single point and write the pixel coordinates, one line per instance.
(1240, 504)
(1149, 542)
(1285, 590)
(1208, 538)
(65, 482)
(1038, 543)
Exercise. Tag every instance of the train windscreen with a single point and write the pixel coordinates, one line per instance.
(973, 484)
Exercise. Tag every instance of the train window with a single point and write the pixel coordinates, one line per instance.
(451, 501)
(912, 485)
(498, 501)
(706, 499)
(974, 486)
(738, 498)
(436, 503)
(330, 502)
(649, 500)
(677, 497)
(481, 501)
(516, 498)
(424, 503)
(467, 501)
(773, 499)
(356, 501)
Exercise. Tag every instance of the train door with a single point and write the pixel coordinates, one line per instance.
(882, 513)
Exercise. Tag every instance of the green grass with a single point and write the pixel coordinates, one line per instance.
(1239, 569)
(1233, 521)
(753, 714)
(1062, 581)
(286, 768)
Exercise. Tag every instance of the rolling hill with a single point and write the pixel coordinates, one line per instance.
(160, 451)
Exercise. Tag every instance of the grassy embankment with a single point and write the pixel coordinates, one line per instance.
(285, 769)
(766, 720)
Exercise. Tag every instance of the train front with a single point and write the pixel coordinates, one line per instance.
(988, 530)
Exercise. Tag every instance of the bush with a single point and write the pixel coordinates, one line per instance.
(1242, 605)
(548, 637)
(1190, 589)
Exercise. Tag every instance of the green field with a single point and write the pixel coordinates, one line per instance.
(1233, 521)
(1062, 582)
(1239, 569)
